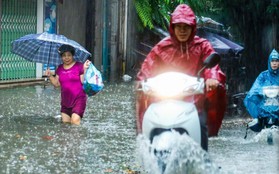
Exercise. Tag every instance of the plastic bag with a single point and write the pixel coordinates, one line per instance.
(93, 82)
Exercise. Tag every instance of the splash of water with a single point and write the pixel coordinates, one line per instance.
(266, 133)
(185, 156)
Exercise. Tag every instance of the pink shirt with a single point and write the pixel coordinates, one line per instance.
(71, 86)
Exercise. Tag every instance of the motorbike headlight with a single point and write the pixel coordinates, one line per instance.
(271, 91)
(173, 84)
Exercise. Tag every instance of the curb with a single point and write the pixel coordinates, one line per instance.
(22, 82)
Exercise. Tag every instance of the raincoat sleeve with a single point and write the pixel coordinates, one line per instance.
(148, 64)
(254, 97)
(215, 72)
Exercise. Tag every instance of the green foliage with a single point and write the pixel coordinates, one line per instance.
(273, 10)
(157, 12)
(144, 11)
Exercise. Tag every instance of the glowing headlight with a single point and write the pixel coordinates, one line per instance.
(271, 91)
(171, 84)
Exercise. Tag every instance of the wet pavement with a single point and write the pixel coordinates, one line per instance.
(33, 139)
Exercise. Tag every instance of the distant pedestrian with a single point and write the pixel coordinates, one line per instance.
(70, 76)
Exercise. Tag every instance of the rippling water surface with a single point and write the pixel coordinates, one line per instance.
(33, 140)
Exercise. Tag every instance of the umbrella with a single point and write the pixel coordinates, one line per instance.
(43, 48)
(221, 44)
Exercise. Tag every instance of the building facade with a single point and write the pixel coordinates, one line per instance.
(104, 27)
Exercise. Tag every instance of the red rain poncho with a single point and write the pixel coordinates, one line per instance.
(171, 55)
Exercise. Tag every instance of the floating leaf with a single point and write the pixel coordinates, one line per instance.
(108, 170)
(129, 171)
(47, 137)
(22, 157)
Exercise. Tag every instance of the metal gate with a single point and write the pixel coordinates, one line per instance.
(18, 18)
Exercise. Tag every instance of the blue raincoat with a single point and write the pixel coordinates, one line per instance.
(257, 102)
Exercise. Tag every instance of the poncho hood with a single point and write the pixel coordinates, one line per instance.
(273, 55)
(183, 14)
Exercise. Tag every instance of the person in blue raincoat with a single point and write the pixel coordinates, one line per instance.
(263, 108)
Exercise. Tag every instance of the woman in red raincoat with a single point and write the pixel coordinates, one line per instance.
(185, 52)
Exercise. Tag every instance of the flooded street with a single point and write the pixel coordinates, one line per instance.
(33, 140)
(236, 155)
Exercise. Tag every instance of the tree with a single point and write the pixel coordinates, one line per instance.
(157, 12)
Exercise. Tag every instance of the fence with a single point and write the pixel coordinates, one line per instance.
(18, 18)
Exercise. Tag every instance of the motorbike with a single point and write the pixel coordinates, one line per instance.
(169, 114)
(269, 112)
(236, 106)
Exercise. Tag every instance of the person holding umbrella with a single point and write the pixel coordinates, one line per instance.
(70, 76)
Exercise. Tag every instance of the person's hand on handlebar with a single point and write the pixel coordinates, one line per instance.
(211, 84)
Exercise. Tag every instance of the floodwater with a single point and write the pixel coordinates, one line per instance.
(33, 139)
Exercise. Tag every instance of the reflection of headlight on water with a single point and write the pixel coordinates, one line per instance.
(271, 91)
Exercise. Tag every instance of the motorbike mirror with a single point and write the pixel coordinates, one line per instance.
(212, 60)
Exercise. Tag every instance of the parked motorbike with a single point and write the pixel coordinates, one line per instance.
(269, 112)
(170, 114)
(236, 106)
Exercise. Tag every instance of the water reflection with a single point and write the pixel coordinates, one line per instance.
(237, 155)
(33, 139)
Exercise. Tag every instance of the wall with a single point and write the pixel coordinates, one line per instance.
(71, 20)
(98, 25)
(106, 28)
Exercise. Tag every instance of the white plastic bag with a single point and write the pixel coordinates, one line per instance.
(93, 82)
